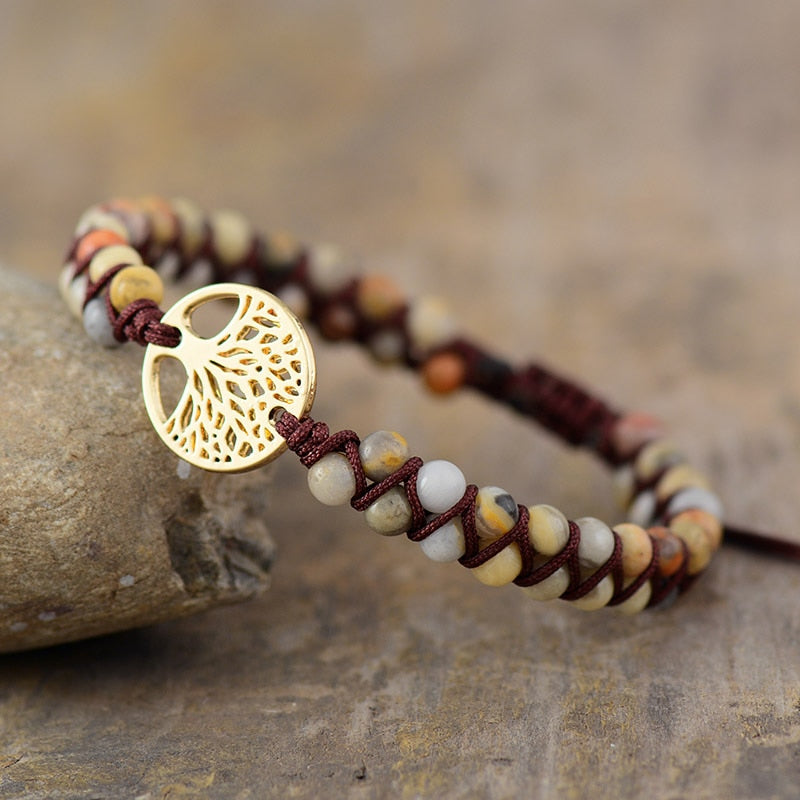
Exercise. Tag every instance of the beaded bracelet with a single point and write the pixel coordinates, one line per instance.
(250, 387)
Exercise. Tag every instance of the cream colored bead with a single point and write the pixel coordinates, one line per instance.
(163, 221)
(191, 225)
(680, 477)
(624, 482)
(638, 600)
(95, 217)
(430, 323)
(390, 514)
(445, 544)
(500, 569)
(656, 456)
(697, 539)
(65, 279)
(643, 509)
(327, 268)
(598, 597)
(496, 512)
(383, 453)
(282, 249)
(135, 283)
(550, 588)
(331, 480)
(548, 529)
(597, 543)
(233, 236)
(76, 295)
(112, 256)
(637, 548)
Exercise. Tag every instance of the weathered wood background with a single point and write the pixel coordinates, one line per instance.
(615, 187)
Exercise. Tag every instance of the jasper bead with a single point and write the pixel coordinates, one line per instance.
(637, 549)
(642, 508)
(638, 600)
(624, 482)
(430, 323)
(548, 529)
(328, 270)
(390, 514)
(597, 597)
(282, 250)
(96, 217)
(440, 485)
(501, 568)
(634, 430)
(680, 477)
(694, 498)
(445, 544)
(382, 453)
(331, 480)
(135, 283)
(698, 541)
(110, 257)
(550, 588)
(670, 551)
(163, 222)
(96, 240)
(378, 297)
(96, 323)
(655, 457)
(191, 226)
(387, 346)
(443, 373)
(496, 512)
(597, 543)
(232, 235)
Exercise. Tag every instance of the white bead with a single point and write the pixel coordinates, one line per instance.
(331, 480)
(550, 588)
(642, 509)
(430, 323)
(112, 256)
(596, 544)
(96, 323)
(440, 485)
(598, 597)
(327, 268)
(97, 218)
(695, 497)
(446, 544)
(623, 482)
(191, 225)
(232, 236)
(65, 279)
(637, 601)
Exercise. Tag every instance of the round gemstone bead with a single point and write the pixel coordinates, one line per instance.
(443, 373)
(95, 240)
(233, 236)
(191, 225)
(496, 512)
(680, 477)
(694, 498)
(632, 431)
(282, 250)
(378, 297)
(110, 257)
(327, 268)
(430, 323)
(597, 543)
(655, 457)
(390, 514)
(445, 544)
(135, 283)
(709, 523)
(548, 529)
(697, 542)
(501, 568)
(440, 485)
(551, 587)
(382, 453)
(624, 482)
(163, 222)
(96, 323)
(96, 217)
(387, 346)
(331, 480)
(638, 600)
(76, 295)
(642, 508)
(597, 597)
(670, 551)
(637, 548)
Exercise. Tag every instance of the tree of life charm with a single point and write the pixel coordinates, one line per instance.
(259, 364)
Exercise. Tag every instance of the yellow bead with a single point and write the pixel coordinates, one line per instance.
(378, 297)
(112, 256)
(191, 225)
(500, 569)
(654, 457)
(550, 588)
(598, 597)
(637, 548)
(680, 477)
(698, 540)
(135, 283)
(638, 600)
(163, 222)
(233, 236)
(496, 512)
(548, 529)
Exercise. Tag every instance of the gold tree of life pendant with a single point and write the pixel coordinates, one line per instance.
(237, 380)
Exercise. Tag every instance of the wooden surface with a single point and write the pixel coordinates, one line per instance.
(611, 186)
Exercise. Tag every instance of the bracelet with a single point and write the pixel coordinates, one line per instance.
(249, 390)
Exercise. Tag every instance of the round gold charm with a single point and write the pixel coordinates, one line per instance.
(261, 362)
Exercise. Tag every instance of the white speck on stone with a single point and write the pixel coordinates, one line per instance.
(184, 469)
(47, 616)
(127, 580)
(17, 627)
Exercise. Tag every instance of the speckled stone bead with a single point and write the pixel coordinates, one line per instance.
(390, 514)
(429, 323)
(680, 477)
(378, 297)
(633, 430)
(642, 508)
(96, 240)
(383, 453)
(445, 544)
(496, 512)
(232, 235)
(191, 226)
(550, 588)
(282, 249)
(548, 529)
(710, 523)
(697, 538)
(135, 283)
(597, 597)
(597, 543)
(443, 373)
(694, 498)
(96, 323)
(440, 485)
(110, 257)
(670, 550)
(163, 222)
(73, 289)
(328, 270)
(656, 457)
(500, 569)
(638, 600)
(331, 480)
(637, 548)
(96, 217)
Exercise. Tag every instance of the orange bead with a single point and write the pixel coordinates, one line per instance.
(378, 297)
(670, 552)
(94, 241)
(444, 373)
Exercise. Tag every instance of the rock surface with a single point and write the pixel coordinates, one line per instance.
(99, 530)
